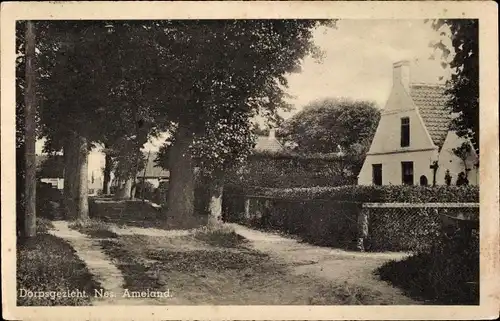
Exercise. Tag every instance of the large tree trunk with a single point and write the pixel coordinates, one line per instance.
(70, 175)
(180, 201)
(106, 186)
(30, 135)
(81, 199)
(126, 189)
(133, 179)
(215, 204)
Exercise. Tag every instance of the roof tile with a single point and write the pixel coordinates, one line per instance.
(431, 103)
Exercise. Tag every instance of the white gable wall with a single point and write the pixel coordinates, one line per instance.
(448, 160)
(386, 145)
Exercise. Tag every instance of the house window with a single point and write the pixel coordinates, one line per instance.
(377, 174)
(407, 173)
(405, 132)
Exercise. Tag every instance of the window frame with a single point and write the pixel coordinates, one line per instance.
(373, 174)
(405, 132)
(404, 181)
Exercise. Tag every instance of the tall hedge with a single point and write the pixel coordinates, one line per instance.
(357, 193)
(291, 170)
(328, 215)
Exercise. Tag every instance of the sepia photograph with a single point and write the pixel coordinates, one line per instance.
(312, 161)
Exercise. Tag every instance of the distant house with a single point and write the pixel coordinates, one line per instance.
(50, 169)
(153, 173)
(268, 143)
(412, 135)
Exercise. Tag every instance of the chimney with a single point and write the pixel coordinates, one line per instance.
(272, 133)
(401, 74)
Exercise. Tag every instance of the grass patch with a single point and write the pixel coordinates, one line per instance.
(197, 274)
(223, 236)
(93, 228)
(47, 263)
(447, 274)
(43, 225)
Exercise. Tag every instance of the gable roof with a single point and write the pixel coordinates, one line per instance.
(153, 170)
(431, 102)
(267, 144)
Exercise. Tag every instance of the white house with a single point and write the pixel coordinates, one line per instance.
(268, 143)
(412, 134)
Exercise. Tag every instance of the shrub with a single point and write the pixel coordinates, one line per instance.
(328, 215)
(219, 236)
(48, 200)
(145, 189)
(161, 193)
(93, 228)
(446, 274)
(287, 169)
(358, 193)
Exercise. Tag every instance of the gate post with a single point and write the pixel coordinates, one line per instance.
(362, 228)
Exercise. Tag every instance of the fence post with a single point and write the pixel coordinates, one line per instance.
(247, 209)
(362, 228)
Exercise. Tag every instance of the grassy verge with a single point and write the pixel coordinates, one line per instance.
(447, 274)
(222, 236)
(93, 228)
(197, 272)
(48, 265)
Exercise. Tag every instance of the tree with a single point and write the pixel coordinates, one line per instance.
(332, 125)
(463, 152)
(231, 67)
(98, 88)
(30, 135)
(463, 87)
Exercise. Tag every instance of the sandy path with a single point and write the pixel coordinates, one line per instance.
(341, 267)
(103, 269)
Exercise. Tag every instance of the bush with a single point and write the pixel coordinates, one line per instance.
(291, 170)
(161, 193)
(145, 189)
(446, 274)
(93, 228)
(358, 193)
(48, 201)
(328, 215)
(220, 236)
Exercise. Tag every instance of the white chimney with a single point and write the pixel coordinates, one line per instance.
(272, 133)
(401, 74)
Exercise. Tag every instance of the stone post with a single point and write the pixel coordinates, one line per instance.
(247, 209)
(362, 228)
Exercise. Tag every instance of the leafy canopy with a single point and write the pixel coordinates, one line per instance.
(464, 82)
(324, 125)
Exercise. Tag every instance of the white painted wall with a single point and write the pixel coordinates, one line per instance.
(448, 160)
(386, 145)
(391, 167)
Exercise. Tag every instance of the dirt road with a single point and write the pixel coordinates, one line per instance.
(338, 266)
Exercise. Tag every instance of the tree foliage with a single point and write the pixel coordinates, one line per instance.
(464, 83)
(240, 69)
(325, 125)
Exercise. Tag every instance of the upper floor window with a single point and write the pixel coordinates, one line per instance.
(405, 132)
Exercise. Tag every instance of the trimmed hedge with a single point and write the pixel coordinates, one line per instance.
(357, 193)
(328, 215)
(290, 170)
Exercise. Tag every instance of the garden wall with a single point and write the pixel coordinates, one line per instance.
(330, 215)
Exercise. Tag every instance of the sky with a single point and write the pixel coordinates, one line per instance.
(357, 64)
